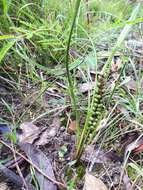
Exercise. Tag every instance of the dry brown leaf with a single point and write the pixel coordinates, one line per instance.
(54, 127)
(45, 136)
(85, 87)
(132, 85)
(139, 148)
(135, 46)
(72, 126)
(91, 154)
(10, 176)
(95, 155)
(4, 186)
(29, 132)
(40, 160)
(48, 134)
(93, 183)
(136, 146)
(121, 109)
(126, 181)
(42, 140)
(132, 142)
(127, 139)
(33, 134)
(116, 65)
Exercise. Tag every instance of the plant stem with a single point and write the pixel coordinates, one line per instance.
(70, 83)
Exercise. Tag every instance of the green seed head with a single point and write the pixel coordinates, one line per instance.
(94, 108)
(99, 109)
(98, 84)
(98, 96)
(96, 119)
(98, 113)
(90, 123)
(92, 127)
(95, 100)
(90, 135)
(91, 118)
(100, 106)
(94, 123)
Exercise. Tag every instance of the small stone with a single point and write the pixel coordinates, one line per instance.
(116, 179)
(67, 137)
(52, 132)
(62, 128)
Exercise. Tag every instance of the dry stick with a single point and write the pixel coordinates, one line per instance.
(18, 168)
(11, 164)
(36, 167)
(87, 14)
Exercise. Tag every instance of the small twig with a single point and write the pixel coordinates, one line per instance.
(87, 14)
(11, 164)
(37, 168)
(18, 168)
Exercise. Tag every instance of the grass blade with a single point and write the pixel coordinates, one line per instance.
(71, 87)
(5, 37)
(121, 38)
(5, 7)
(5, 49)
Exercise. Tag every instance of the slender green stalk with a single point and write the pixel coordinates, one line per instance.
(71, 86)
(84, 135)
(82, 138)
(5, 7)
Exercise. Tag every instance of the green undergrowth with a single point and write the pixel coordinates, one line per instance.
(42, 30)
(41, 44)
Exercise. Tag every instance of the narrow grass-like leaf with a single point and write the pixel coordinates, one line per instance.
(28, 4)
(121, 38)
(5, 49)
(71, 86)
(5, 7)
(6, 37)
